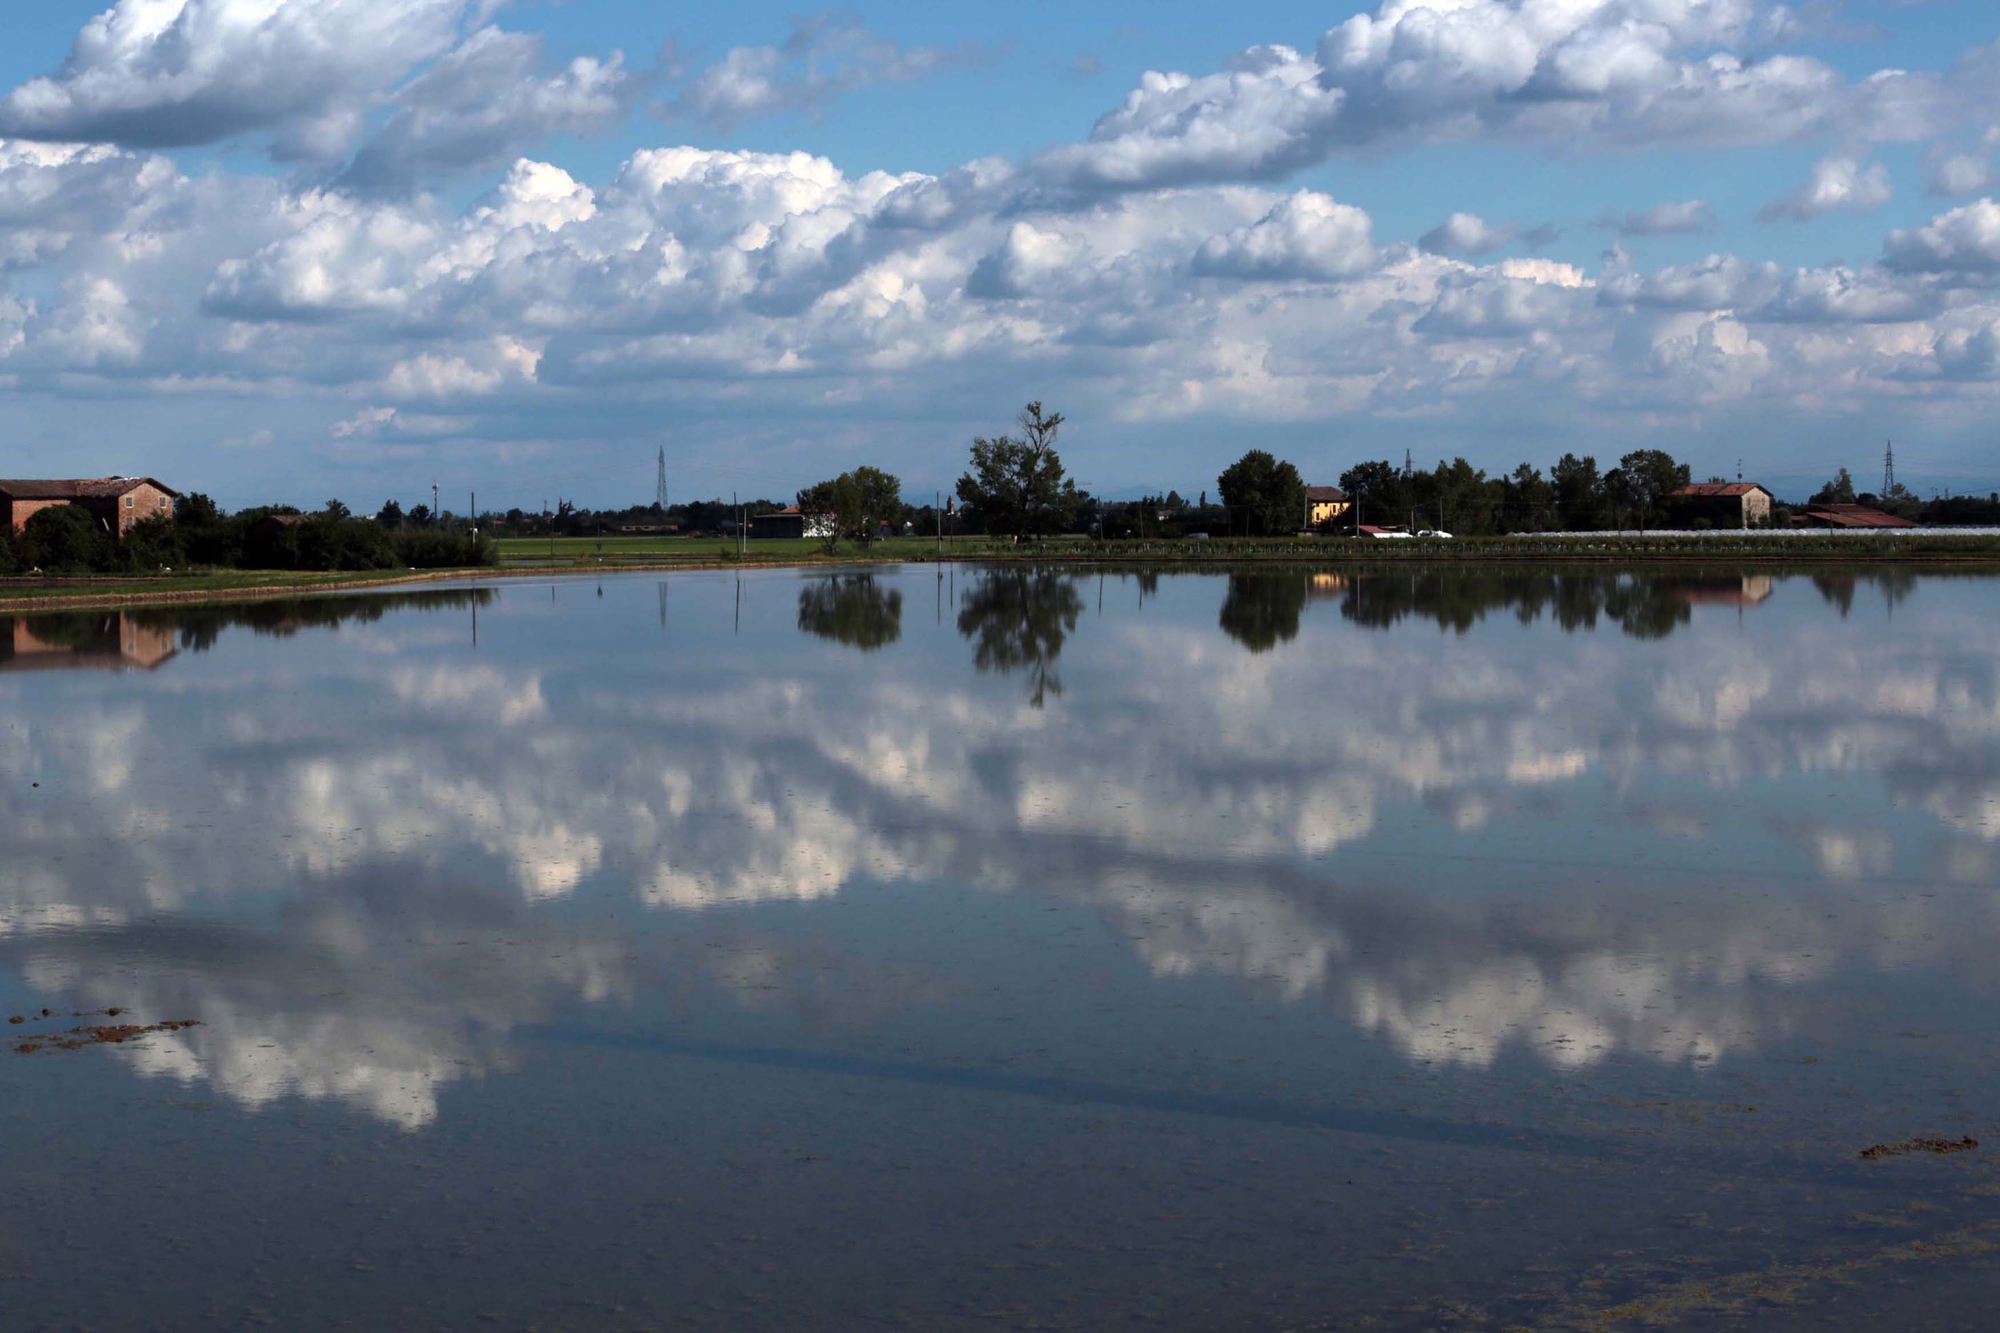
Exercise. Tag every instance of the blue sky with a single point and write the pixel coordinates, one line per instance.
(287, 249)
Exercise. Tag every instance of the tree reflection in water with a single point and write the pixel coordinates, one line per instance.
(852, 609)
(1261, 611)
(1838, 587)
(200, 626)
(1018, 621)
(1643, 605)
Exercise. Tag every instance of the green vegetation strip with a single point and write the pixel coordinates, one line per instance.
(1902, 547)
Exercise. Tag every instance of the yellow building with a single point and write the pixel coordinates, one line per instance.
(1325, 504)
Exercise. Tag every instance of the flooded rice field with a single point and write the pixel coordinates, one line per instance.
(970, 948)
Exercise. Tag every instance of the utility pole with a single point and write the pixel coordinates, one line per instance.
(937, 503)
(472, 510)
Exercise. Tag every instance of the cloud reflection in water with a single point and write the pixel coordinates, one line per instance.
(344, 851)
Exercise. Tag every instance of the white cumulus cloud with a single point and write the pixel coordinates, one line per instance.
(1465, 234)
(1838, 183)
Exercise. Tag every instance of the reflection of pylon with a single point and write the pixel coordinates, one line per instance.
(660, 485)
(1889, 467)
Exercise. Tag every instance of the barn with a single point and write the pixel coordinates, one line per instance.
(119, 503)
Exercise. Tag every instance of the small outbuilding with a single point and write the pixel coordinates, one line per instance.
(790, 522)
(1726, 504)
(270, 527)
(1848, 516)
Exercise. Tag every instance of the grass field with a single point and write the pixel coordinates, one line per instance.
(1914, 545)
(705, 550)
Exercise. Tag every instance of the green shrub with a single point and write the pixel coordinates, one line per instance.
(66, 539)
(152, 545)
(428, 548)
(333, 543)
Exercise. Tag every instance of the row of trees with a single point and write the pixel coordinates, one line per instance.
(1574, 496)
(1017, 487)
(1018, 619)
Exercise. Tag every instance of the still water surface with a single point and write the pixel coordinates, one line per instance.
(975, 948)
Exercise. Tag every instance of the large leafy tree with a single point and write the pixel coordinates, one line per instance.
(1017, 487)
(1269, 495)
(1839, 491)
(853, 505)
(1378, 490)
(1527, 499)
(880, 502)
(1580, 499)
(1648, 477)
(195, 510)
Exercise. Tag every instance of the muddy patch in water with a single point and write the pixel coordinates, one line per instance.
(93, 1034)
(1941, 1147)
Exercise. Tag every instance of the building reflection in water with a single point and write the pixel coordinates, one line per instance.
(108, 640)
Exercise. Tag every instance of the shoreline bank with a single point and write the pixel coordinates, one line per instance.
(109, 594)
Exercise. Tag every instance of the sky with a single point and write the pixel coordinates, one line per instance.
(286, 250)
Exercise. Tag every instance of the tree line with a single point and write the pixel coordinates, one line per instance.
(1017, 487)
(68, 539)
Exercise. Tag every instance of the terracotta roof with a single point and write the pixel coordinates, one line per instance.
(90, 488)
(1325, 494)
(1720, 489)
(1855, 516)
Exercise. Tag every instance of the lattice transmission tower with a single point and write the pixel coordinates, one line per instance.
(1889, 468)
(660, 483)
